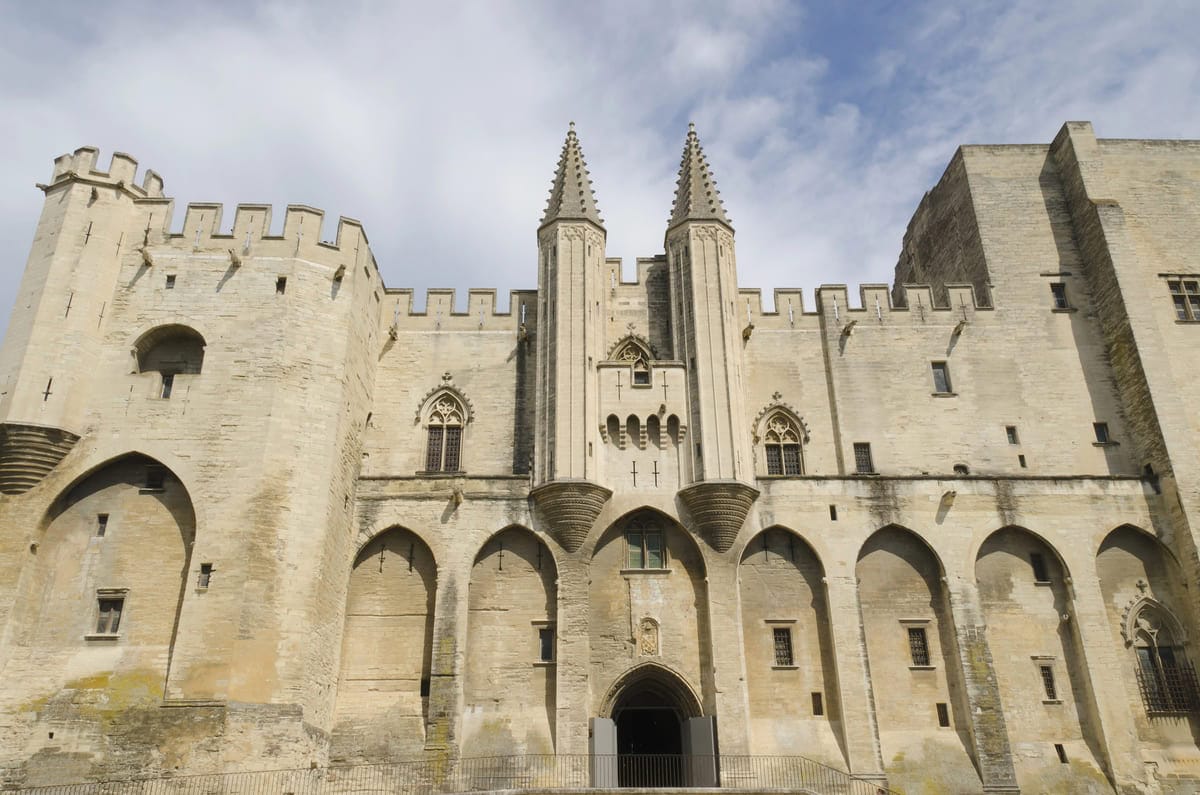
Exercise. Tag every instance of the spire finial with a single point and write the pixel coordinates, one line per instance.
(696, 194)
(571, 196)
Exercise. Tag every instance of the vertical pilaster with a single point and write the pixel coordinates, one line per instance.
(728, 664)
(447, 669)
(573, 656)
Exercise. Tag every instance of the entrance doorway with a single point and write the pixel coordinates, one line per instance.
(649, 740)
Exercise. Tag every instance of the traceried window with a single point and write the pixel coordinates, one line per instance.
(443, 450)
(1165, 677)
(781, 440)
(1185, 293)
(639, 360)
(644, 548)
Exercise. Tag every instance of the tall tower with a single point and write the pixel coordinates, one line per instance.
(709, 339)
(46, 366)
(570, 341)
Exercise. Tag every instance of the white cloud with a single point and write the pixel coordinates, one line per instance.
(439, 126)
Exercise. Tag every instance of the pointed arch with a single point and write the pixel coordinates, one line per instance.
(780, 434)
(387, 647)
(659, 678)
(631, 347)
(445, 414)
(512, 610)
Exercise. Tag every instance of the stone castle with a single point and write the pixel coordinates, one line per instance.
(259, 512)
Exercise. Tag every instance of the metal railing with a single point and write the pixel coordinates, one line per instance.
(477, 774)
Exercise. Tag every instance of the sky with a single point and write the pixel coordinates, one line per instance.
(439, 125)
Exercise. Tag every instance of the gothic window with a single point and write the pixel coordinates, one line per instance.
(782, 445)
(444, 423)
(639, 360)
(644, 546)
(1165, 677)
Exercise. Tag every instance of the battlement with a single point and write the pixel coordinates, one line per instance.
(835, 300)
(122, 171)
(441, 311)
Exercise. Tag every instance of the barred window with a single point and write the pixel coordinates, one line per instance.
(1185, 293)
(782, 439)
(443, 450)
(1048, 682)
(918, 646)
(862, 458)
(783, 646)
(1165, 677)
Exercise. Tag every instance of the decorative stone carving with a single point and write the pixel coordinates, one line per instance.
(648, 637)
(1146, 615)
(568, 509)
(442, 396)
(719, 509)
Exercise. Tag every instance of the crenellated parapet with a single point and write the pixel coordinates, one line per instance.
(80, 166)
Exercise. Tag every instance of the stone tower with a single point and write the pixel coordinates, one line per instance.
(708, 336)
(570, 341)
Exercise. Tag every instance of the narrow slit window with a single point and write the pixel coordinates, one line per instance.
(170, 281)
(918, 646)
(101, 524)
(546, 644)
(1021, 461)
(943, 714)
(205, 577)
(281, 285)
(941, 377)
(1048, 682)
(168, 384)
(1101, 429)
(783, 646)
(1011, 432)
(818, 704)
(833, 513)
(1040, 572)
(1062, 752)
(424, 687)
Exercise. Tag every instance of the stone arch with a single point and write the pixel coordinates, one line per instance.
(911, 646)
(509, 691)
(793, 703)
(659, 678)
(172, 347)
(1153, 620)
(654, 431)
(663, 579)
(630, 348)
(107, 584)
(387, 645)
(1025, 597)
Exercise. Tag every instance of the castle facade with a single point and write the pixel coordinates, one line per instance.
(258, 512)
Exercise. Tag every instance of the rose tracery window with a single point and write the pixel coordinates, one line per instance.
(443, 452)
(781, 440)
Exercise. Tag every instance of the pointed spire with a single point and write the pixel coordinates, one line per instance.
(696, 194)
(571, 197)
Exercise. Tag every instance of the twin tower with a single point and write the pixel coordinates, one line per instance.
(705, 363)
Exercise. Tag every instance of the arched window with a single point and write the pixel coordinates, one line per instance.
(445, 421)
(1165, 677)
(638, 358)
(781, 438)
(170, 351)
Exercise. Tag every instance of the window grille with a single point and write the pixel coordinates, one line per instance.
(918, 646)
(1048, 682)
(783, 646)
(1185, 293)
(943, 714)
(862, 458)
(433, 456)
(1168, 684)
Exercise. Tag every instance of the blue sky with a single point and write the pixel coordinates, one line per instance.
(439, 125)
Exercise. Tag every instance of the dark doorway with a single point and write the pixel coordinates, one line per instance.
(649, 740)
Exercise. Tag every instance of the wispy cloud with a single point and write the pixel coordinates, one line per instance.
(439, 126)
